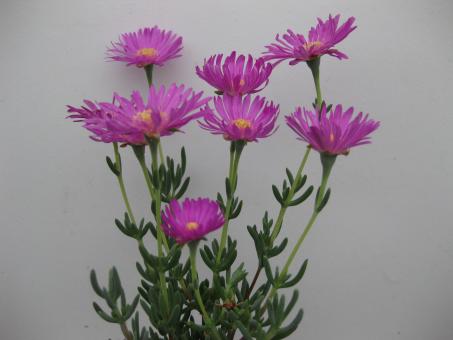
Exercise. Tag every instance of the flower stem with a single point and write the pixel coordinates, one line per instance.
(327, 162)
(121, 182)
(154, 145)
(161, 239)
(139, 151)
(149, 74)
(281, 214)
(194, 274)
(235, 154)
(314, 67)
(161, 153)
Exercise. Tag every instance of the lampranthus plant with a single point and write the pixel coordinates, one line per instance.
(171, 294)
(241, 118)
(321, 40)
(147, 46)
(335, 132)
(192, 219)
(236, 75)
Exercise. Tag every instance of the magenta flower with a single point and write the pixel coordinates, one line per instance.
(321, 40)
(334, 134)
(191, 220)
(240, 118)
(165, 112)
(95, 119)
(234, 76)
(145, 47)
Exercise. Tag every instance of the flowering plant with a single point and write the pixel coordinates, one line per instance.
(232, 303)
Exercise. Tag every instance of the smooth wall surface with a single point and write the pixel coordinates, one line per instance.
(381, 254)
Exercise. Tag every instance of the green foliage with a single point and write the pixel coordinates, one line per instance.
(285, 196)
(236, 300)
(114, 297)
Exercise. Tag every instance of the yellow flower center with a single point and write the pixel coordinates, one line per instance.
(192, 225)
(242, 123)
(310, 44)
(144, 116)
(147, 52)
(242, 82)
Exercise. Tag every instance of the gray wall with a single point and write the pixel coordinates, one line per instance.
(381, 254)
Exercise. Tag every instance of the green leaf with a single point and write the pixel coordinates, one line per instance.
(290, 176)
(103, 314)
(324, 201)
(277, 195)
(302, 198)
(94, 283)
(286, 331)
(297, 278)
(113, 167)
(244, 331)
(182, 190)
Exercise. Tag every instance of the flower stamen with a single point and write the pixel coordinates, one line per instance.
(242, 123)
(144, 116)
(192, 226)
(310, 44)
(148, 52)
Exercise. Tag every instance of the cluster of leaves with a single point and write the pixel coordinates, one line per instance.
(235, 301)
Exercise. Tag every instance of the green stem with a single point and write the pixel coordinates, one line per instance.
(314, 67)
(161, 153)
(327, 162)
(149, 74)
(235, 154)
(161, 239)
(139, 151)
(121, 182)
(281, 214)
(194, 274)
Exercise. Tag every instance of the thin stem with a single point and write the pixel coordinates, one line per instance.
(235, 154)
(255, 279)
(161, 239)
(327, 163)
(126, 331)
(281, 214)
(121, 182)
(161, 153)
(293, 254)
(140, 154)
(314, 67)
(149, 74)
(194, 274)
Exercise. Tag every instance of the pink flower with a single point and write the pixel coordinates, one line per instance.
(191, 220)
(164, 113)
(321, 40)
(95, 119)
(240, 118)
(145, 47)
(335, 133)
(234, 76)
(129, 121)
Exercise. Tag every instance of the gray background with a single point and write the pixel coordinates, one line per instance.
(381, 254)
